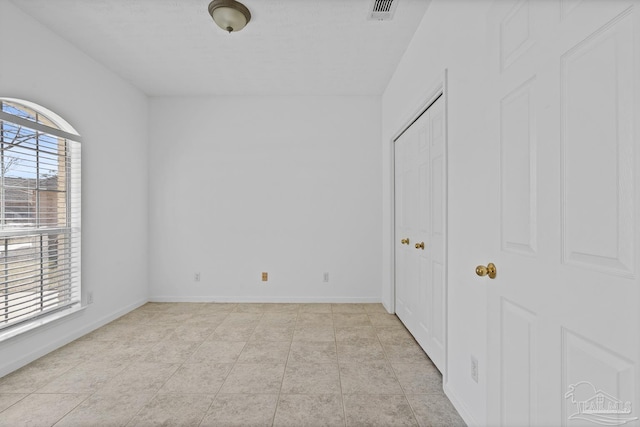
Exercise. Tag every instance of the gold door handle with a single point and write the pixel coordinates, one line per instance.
(405, 241)
(489, 270)
(420, 245)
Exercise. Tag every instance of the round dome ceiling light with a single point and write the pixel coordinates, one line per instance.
(229, 15)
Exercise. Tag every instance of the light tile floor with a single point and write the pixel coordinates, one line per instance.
(182, 364)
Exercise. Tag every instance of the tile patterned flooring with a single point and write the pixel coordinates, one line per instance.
(192, 364)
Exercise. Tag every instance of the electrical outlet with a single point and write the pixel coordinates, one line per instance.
(196, 277)
(474, 369)
(265, 276)
(326, 277)
(89, 297)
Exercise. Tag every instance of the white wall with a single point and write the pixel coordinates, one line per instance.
(451, 36)
(286, 185)
(111, 116)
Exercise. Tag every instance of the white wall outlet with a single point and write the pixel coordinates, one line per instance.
(474, 369)
(196, 277)
(325, 277)
(89, 297)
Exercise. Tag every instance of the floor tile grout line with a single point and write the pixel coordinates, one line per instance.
(215, 396)
(164, 383)
(335, 339)
(284, 372)
(70, 410)
(395, 374)
(57, 377)
(243, 347)
(152, 398)
(185, 361)
(19, 400)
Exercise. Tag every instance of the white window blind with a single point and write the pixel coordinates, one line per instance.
(39, 216)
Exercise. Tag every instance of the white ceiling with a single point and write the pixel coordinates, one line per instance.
(290, 47)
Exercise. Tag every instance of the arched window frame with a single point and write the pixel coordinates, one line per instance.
(40, 217)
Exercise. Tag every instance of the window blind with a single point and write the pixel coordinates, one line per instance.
(39, 217)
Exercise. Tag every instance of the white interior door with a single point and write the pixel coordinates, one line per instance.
(563, 330)
(420, 231)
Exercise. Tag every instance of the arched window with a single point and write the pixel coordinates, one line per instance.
(39, 216)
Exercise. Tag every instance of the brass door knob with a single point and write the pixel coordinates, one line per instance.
(420, 245)
(489, 270)
(405, 241)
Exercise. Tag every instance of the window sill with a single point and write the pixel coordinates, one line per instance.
(37, 323)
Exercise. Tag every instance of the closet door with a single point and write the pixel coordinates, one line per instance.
(420, 231)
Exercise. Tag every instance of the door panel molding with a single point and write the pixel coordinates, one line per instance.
(519, 170)
(584, 359)
(601, 239)
(568, 6)
(515, 34)
(518, 400)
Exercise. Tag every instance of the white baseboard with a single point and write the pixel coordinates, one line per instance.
(241, 299)
(460, 407)
(60, 341)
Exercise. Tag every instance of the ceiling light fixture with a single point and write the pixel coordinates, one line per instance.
(229, 15)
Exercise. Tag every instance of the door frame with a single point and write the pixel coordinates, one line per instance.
(438, 89)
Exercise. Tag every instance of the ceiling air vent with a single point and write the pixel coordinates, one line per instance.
(382, 10)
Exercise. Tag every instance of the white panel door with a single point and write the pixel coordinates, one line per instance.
(420, 231)
(563, 324)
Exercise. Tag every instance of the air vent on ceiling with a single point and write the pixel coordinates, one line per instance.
(382, 10)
